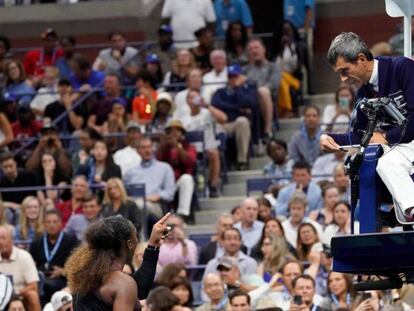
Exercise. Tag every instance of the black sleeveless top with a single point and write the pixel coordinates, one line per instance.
(94, 302)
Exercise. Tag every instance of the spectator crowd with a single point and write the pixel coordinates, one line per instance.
(78, 135)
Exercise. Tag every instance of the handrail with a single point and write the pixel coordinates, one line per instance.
(136, 44)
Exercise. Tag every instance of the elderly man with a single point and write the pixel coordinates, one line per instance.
(215, 291)
(267, 75)
(217, 77)
(249, 227)
(19, 265)
(157, 176)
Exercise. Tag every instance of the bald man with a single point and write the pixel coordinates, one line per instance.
(19, 265)
(215, 291)
(249, 227)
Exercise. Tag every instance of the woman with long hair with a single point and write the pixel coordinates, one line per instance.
(16, 82)
(330, 196)
(272, 226)
(181, 288)
(341, 224)
(49, 174)
(30, 225)
(308, 241)
(101, 166)
(236, 43)
(116, 202)
(170, 272)
(275, 253)
(94, 270)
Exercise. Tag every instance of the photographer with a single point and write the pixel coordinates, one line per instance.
(50, 143)
(391, 77)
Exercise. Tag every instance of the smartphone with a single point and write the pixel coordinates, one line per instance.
(297, 300)
(366, 296)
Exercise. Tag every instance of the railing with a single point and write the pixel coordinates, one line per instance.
(133, 190)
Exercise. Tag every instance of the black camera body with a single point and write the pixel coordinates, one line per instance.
(384, 110)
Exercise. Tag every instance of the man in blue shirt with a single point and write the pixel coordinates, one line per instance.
(228, 11)
(84, 78)
(391, 77)
(157, 176)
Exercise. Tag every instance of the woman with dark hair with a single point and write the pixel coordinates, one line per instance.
(236, 43)
(341, 222)
(94, 270)
(143, 104)
(16, 83)
(265, 209)
(162, 299)
(170, 272)
(272, 227)
(153, 66)
(101, 166)
(308, 241)
(330, 196)
(49, 174)
(181, 288)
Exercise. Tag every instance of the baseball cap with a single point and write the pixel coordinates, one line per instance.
(152, 58)
(226, 262)
(234, 70)
(59, 299)
(165, 28)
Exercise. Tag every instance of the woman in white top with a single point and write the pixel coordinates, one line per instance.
(341, 224)
(336, 116)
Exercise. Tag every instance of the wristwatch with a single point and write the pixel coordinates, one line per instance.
(153, 248)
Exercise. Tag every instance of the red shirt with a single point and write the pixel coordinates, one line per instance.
(66, 209)
(35, 61)
(142, 105)
(179, 167)
(26, 132)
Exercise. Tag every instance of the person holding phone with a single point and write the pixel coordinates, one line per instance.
(304, 294)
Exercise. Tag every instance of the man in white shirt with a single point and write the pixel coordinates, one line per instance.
(249, 227)
(129, 157)
(19, 265)
(187, 16)
(297, 209)
(217, 77)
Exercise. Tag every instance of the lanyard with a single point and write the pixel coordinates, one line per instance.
(314, 307)
(49, 256)
(42, 57)
(336, 301)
